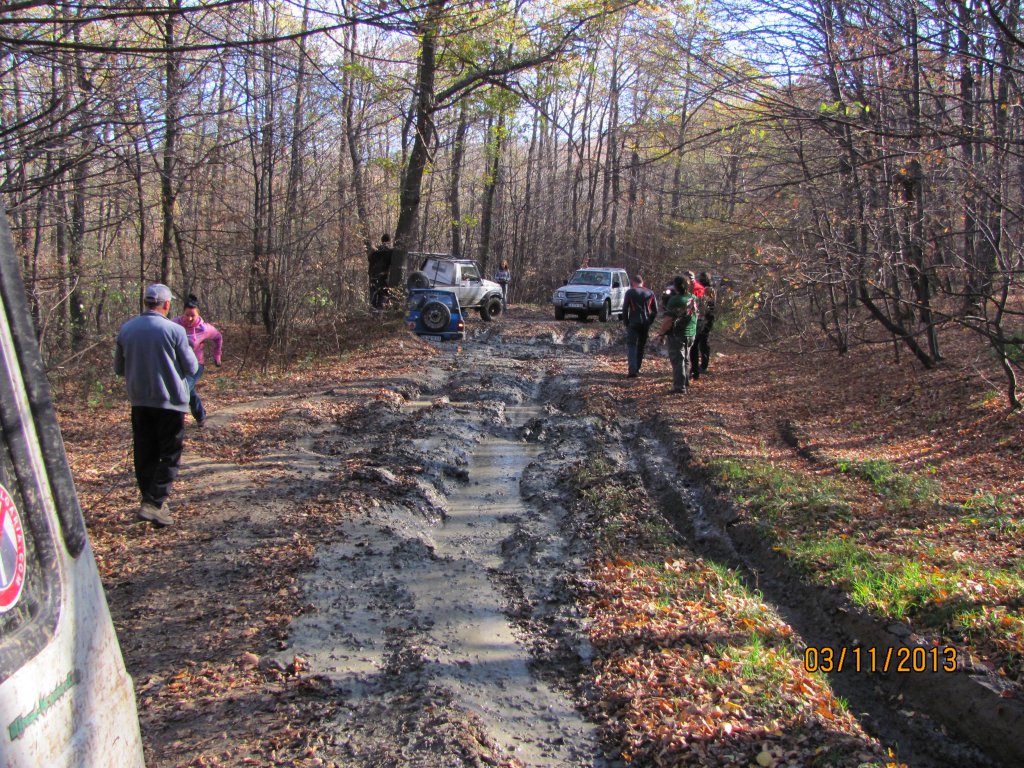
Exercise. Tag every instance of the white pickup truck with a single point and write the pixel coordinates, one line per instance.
(462, 276)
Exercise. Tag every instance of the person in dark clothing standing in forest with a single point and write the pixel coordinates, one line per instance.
(639, 308)
(154, 356)
(379, 268)
(700, 352)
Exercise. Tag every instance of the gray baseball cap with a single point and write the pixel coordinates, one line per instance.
(157, 293)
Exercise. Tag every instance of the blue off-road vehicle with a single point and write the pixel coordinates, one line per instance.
(435, 314)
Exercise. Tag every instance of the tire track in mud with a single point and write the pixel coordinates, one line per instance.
(412, 606)
(935, 719)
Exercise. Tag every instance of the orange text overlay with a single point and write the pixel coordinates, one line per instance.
(869, 659)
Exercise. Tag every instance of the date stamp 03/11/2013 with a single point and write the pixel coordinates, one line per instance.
(869, 659)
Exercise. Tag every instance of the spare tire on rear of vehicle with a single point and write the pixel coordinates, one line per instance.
(435, 316)
(417, 280)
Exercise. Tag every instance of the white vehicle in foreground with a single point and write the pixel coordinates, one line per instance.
(439, 270)
(65, 697)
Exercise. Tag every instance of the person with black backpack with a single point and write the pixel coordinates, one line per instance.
(700, 352)
(639, 308)
(679, 329)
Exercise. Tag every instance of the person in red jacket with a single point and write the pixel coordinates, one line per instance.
(198, 332)
(698, 287)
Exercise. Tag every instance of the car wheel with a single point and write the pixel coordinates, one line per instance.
(435, 316)
(417, 280)
(491, 308)
(559, 313)
(605, 313)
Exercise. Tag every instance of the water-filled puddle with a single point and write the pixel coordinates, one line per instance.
(439, 586)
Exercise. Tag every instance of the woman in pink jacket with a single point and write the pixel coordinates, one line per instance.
(198, 332)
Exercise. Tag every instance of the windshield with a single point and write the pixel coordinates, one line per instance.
(590, 278)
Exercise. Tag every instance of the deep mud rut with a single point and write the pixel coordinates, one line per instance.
(440, 613)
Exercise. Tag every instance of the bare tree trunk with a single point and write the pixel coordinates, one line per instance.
(353, 138)
(293, 211)
(494, 146)
(610, 188)
(920, 271)
(454, 194)
(409, 198)
(172, 98)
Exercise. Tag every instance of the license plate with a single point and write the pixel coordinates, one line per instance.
(430, 337)
(574, 305)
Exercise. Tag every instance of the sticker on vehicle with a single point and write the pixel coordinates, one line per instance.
(12, 553)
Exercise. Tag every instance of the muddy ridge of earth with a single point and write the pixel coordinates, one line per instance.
(438, 625)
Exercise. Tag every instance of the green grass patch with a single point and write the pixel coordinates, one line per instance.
(780, 496)
(936, 586)
(947, 598)
(893, 587)
(993, 512)
(762, 662)
(903, 490)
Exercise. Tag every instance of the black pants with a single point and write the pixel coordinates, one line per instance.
(700, 352)
(378, 290)
(636, 343)
(158, 435)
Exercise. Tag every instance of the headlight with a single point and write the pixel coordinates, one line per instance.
(559, 294)
(594, 296)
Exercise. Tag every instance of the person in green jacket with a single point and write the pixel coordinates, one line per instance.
(679, 334)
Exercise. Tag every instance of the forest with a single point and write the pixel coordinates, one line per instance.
(852, 169)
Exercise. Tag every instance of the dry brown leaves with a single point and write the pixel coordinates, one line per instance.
(691, 669)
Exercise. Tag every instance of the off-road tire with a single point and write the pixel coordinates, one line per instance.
(559, 313)
(606, 312)
(490, 308)
(417, 280)
(435, 316)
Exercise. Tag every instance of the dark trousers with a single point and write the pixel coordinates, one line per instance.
(158, 436)
(700, 352)
(636, 343)
(378, 290)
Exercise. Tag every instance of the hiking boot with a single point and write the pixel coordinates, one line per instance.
(159, 516)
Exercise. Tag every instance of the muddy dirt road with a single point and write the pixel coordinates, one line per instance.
(429, 545)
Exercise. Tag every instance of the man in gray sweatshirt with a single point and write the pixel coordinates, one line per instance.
(154, 356)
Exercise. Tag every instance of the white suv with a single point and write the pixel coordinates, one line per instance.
(592, 291)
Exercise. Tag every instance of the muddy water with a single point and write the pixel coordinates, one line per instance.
(483, 661)
(400, 598)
